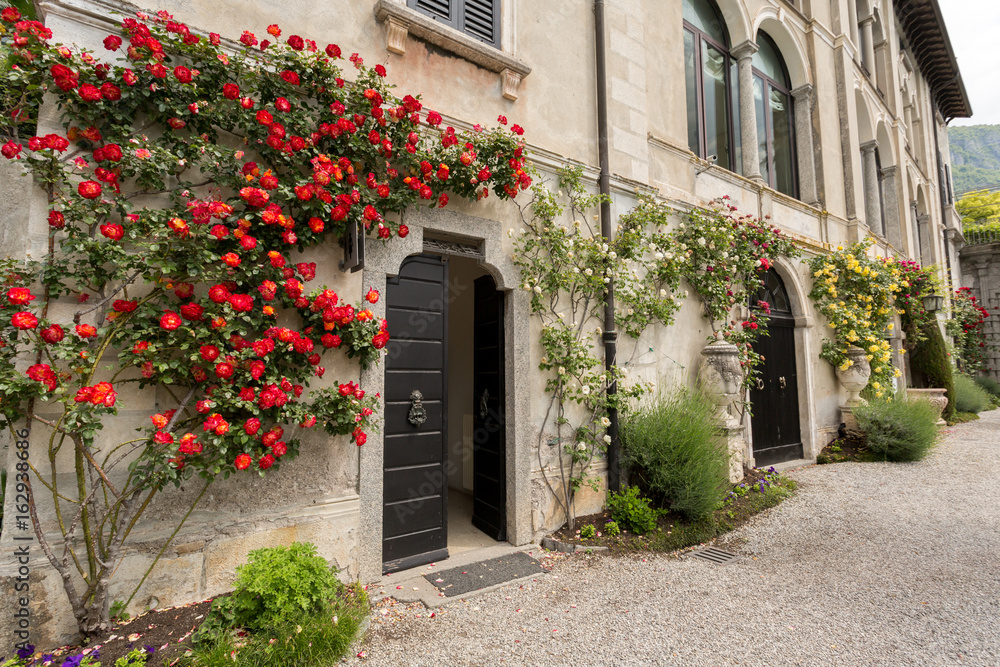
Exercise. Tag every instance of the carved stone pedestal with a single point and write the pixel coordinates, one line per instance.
(734, 436)
(935, 397)
(854, 379)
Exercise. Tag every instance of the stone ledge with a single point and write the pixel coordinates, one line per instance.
(402, 21)
(565, 547)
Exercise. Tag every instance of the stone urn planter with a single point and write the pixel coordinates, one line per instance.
(937, 397)
(722, 379)
(854, 380)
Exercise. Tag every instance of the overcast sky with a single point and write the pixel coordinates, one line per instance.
(974, 29)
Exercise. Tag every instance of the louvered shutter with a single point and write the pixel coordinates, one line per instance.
(442, 10)
(480, 19)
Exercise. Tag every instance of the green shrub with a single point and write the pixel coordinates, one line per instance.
(632, 511)
(302, 640)
(611, 529)
(673, 442)
(275, 584)
(899, 429)
(931, 367)
(991, 386)
(588, 531)
(969, 396)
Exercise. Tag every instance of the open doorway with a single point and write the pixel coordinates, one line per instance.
(476, 451)
(444, 475)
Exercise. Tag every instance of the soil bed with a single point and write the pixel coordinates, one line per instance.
(851, 447)
(674, 532)
(168, 631)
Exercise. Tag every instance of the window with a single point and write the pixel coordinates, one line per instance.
(711, 83)
(479, 19)
(775, 122)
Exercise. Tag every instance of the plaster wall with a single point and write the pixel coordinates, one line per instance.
(332, 495)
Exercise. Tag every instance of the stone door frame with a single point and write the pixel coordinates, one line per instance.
(383, 260)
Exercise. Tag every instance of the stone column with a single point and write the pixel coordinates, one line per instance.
(803, 96)
(869, 170)
(868, 45)
(893, 232)
(748, 114)
(924, 230)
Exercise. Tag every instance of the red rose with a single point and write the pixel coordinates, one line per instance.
(10, 15)
(243, 461)
(85, 331)
(90, 93)
(209, 352)
(360, 437)
(52, 334)
(43, 373)
(218, 293)
(403, 231)
(248, 242)
(380, 70)
(296, 42)
(113, 232)
(380, 339)
(280, 448)
(192, 311)
(224, 370)
(265, 462)
(89, 189)
(330, 340)
(252, 426)
(24, 320)
(255, 197)
(112, 42)
(248, 39)
(11, 150)
(19, 296)
(123, 306)
(170, 320)
(241, 303)
(333, 50)
(231, 259)
(183, 74)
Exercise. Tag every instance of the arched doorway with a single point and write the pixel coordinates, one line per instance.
(444, 463)
(774, 398)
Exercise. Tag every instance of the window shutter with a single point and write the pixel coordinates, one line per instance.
(440, 9)
(481, 19)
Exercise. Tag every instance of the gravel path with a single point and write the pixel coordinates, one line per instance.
(870, 564)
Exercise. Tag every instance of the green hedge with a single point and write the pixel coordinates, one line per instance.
(931, 367)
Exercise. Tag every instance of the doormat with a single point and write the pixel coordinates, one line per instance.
(476, 576)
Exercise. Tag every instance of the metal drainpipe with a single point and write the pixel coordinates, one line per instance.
(610, 336)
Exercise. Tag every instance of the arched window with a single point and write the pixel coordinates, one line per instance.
(775, 122)
(712, 85)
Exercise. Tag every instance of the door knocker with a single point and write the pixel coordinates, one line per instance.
(760, 384)
(483, 409)
(781, 381)
(418, 415)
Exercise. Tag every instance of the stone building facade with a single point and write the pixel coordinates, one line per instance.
(847, 102)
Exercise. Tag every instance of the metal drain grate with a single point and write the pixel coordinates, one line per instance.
(714, 555)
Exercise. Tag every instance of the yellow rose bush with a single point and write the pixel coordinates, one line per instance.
(857, 295)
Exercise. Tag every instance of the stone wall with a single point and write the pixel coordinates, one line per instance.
(981, 271)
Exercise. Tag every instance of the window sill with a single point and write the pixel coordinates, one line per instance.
(401, 21)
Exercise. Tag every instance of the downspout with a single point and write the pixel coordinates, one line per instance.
(610, 335)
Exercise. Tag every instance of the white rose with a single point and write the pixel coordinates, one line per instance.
(586, 390)
(663, 293)
(607, 439)
(581, 447)
(605, 422)
(562, 370)
(659, 255)
(538, 290)
(701, 240)
(510, 233)
(589, 272)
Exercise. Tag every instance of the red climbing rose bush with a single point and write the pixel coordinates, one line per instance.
(184, 193)
(966, 329)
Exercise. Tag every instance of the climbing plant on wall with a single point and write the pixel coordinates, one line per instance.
(566, 266)
(184, 193)
(966, 329)
(857, 295)
(726, 254)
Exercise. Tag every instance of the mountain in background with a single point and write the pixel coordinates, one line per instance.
(975, 157)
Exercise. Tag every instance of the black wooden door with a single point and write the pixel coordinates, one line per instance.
(414, 516)
(489, 462)
(775, 396)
